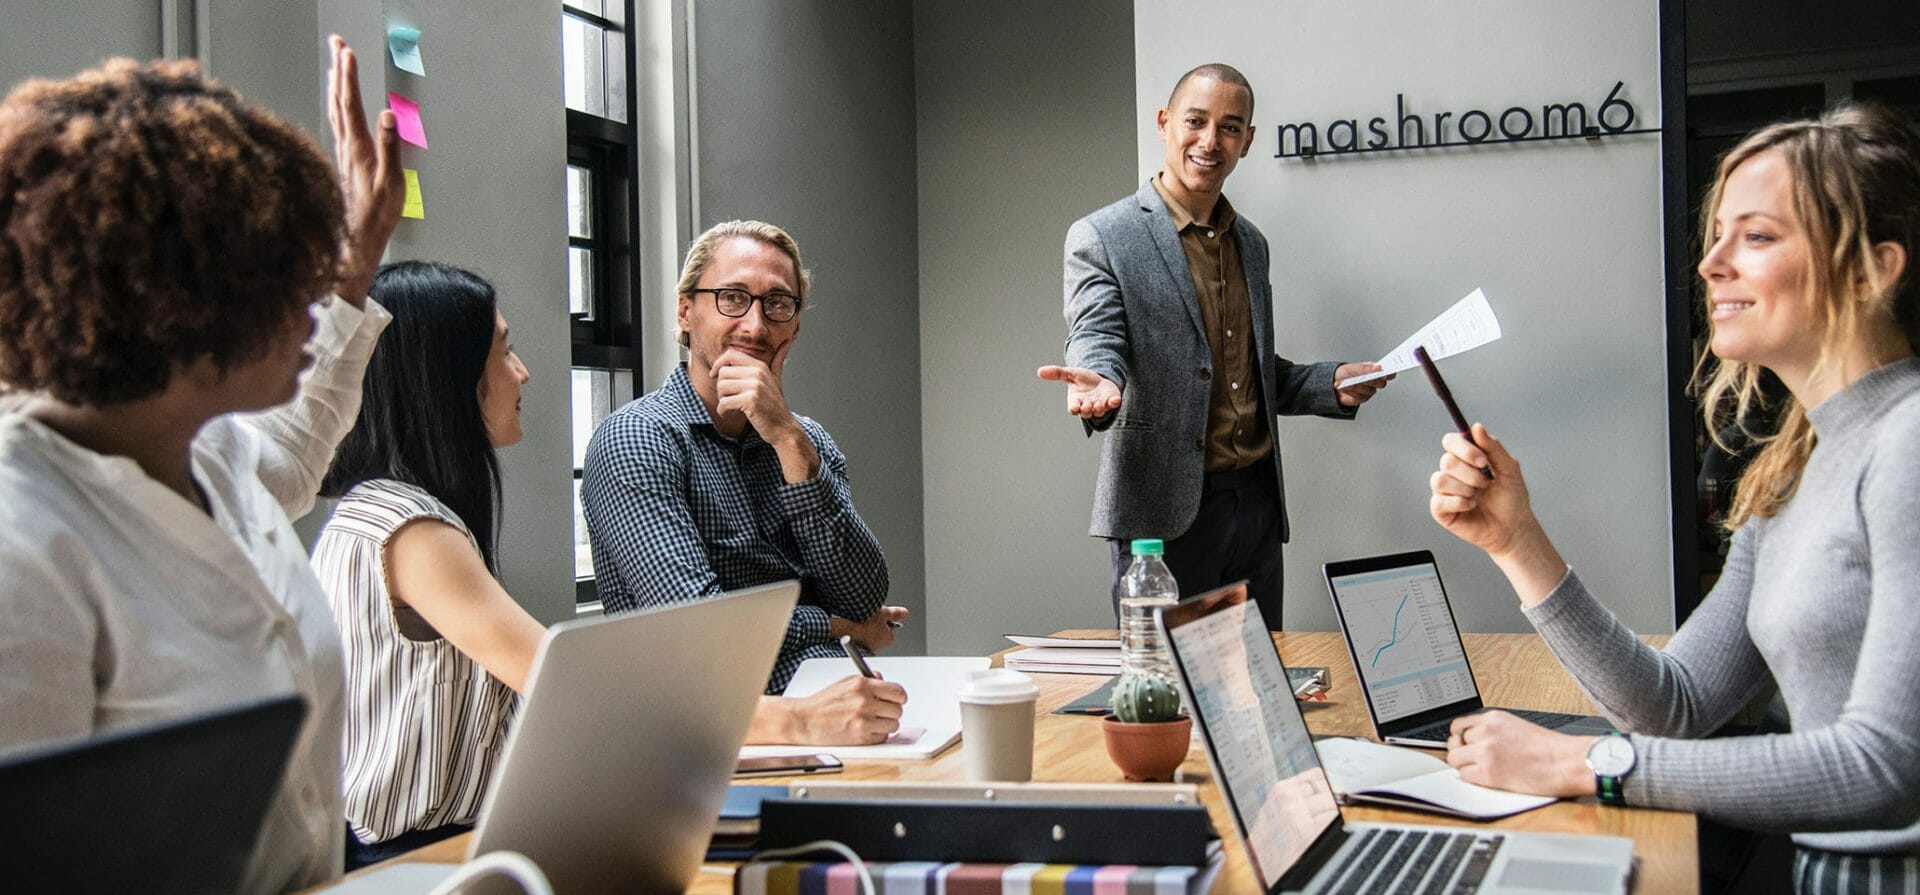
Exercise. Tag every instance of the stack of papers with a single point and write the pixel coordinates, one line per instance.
(1061, 655)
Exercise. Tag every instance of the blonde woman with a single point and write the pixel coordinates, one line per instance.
(1809, 275)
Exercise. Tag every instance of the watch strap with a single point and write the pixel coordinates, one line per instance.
(1611, 789)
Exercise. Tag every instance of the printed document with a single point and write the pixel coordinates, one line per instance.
(1467, 325)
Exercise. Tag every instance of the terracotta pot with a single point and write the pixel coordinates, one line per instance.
(1150, 751)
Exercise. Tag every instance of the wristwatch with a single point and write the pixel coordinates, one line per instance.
(1611, 759)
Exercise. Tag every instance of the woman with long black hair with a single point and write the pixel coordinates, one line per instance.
(435, 648)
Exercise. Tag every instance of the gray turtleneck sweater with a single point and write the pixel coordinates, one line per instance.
(1824, 600)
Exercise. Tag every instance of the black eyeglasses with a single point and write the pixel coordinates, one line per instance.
(778, 307)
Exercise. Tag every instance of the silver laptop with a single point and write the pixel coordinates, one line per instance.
(1290, 825)
(621, 754)
(1407, 652)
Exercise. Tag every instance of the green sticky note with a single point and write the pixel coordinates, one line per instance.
(404, 44)
(415, 207)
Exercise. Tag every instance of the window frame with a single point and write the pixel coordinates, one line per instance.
(608, 336)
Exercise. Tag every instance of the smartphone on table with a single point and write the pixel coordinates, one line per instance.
(777, 765)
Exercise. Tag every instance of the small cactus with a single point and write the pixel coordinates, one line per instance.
(1145, 699)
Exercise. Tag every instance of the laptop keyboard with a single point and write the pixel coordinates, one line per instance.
(1438, 730)
(1417, 862)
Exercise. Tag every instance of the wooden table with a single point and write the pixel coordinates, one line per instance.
(1512, 670)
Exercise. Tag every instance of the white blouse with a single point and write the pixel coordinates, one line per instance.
(425, 723)
(125, 604)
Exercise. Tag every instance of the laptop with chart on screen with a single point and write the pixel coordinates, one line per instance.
(1407, 652)
(1269, 772)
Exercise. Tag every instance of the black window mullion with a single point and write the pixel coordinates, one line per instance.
(605, 148)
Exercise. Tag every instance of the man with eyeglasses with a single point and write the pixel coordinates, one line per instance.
(712, 484)
(1170, 351)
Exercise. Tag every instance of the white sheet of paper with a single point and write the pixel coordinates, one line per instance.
(1064, 642)
(930, 721)
(1467, 325)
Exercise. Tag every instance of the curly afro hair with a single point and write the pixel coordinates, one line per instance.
(151, 217)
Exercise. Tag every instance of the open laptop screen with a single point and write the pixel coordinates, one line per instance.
(1260, 746)
(1406, 648)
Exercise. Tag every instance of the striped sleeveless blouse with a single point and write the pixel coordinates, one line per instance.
(425, 724)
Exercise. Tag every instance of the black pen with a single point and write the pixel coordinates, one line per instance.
(1446, 397)
(853, 652)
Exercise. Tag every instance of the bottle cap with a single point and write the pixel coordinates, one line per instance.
(1148, 547)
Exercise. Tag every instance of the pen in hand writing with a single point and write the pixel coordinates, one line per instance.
(853, 652)
(1446, 397)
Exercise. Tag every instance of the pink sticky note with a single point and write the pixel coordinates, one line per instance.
(406, 113)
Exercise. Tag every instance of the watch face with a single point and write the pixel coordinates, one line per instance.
(1610, 756)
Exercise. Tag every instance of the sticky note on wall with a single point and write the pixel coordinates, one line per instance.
(415, 207)
(406, 115)
(404, 44)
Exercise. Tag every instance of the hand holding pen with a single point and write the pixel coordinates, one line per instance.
(859, 662)
(1446, 397)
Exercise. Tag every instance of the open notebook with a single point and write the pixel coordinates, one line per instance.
(1365, 771)
(929, 723)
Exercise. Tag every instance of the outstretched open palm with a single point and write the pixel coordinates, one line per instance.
(1089, 394)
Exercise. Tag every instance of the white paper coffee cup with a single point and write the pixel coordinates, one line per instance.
(996, 725)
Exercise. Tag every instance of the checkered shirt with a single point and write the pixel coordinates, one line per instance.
(677, 512)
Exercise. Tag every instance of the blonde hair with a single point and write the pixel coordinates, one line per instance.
(1856, 183)
(700, 256)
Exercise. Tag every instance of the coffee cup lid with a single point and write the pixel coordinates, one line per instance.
(998, 686)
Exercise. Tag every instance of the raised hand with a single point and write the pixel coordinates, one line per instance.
(1492, 514)
(1356, 395)
(1090, 396)
(370, 177)
(1495, 515)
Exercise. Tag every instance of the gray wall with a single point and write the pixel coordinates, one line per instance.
(1564, 237)
(1025, 123)
(493, 186)
(54, 40)
(805, 120)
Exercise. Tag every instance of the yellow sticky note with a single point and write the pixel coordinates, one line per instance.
(415, 208)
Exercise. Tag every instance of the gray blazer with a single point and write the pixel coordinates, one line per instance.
(1133, 318)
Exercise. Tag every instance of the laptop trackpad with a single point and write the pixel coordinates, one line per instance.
(1533, 874)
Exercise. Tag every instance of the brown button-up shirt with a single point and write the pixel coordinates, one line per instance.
(1237, 434)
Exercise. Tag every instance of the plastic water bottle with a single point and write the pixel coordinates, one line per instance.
(1147, 586)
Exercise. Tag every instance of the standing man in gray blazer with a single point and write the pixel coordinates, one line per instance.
(1170, 351)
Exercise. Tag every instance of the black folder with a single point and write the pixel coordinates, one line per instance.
(993, 832)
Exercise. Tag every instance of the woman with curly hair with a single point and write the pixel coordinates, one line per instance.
(1810, 278)
(166, 252)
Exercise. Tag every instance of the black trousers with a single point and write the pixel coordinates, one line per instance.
(361, 854)
(1235, 535)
